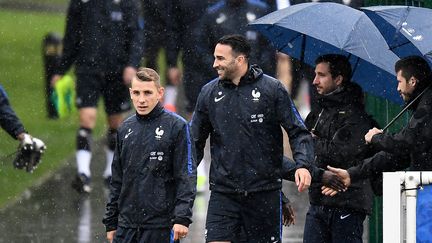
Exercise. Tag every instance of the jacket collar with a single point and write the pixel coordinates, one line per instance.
(252, 75)
(426, 97)
(157, 111)
(350, 94)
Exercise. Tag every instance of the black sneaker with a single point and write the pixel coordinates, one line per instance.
(81, 184)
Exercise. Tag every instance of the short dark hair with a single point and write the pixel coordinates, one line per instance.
(414, 66)
(238, 43)
(148, 75)
(338, 65)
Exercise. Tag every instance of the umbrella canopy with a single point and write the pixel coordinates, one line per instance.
(306, 31)
(407, 30)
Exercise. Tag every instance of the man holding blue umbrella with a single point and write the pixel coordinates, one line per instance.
(410, 147)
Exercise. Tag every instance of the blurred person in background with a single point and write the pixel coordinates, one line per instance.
(104, 40)
(157, 15)
(185, 16)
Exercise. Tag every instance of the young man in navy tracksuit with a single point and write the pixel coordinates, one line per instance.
(153, 172)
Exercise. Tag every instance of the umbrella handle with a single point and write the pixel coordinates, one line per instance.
(405, 108)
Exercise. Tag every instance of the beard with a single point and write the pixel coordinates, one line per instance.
(227, 72)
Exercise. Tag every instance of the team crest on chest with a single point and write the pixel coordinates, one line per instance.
(256, 95)
(159, 133)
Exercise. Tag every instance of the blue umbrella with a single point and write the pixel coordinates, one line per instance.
(407, 30)
(306, 31)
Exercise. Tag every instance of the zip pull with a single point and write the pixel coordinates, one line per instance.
(318, 119)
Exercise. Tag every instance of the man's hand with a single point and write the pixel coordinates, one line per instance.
(110, 236)
(180, 231)
(331, 180)
(372, 132)
(302, 179)
(174, 76)
(342, 174)
(128, 74)
(288, 215)
(54, 79)
(29, 152)
(25, 139)
(328, 191)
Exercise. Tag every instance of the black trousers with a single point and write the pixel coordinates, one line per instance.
(333, 225)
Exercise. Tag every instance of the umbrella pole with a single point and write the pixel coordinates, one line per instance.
(405, 108)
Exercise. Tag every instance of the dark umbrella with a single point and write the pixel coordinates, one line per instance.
(407, 30)
(306, 31)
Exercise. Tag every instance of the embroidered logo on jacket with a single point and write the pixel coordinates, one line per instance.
(217, 99)
(157, 155)
(256, 95)
(257, 118)
(159, 132)
(128, 133)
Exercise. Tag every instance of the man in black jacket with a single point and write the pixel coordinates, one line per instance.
(243, 111)
(104, 41)
(337, 124)
(183, 38)
(412, 146)
(156, 14)
(153, 171)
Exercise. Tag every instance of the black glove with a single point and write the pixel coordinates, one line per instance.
(29, 153)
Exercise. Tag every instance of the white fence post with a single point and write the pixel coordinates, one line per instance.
(393, 216)
(392, 229)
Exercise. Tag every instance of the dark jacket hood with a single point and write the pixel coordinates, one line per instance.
(254, 73)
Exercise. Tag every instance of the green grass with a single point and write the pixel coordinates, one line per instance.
(39, 2)
(21, 74)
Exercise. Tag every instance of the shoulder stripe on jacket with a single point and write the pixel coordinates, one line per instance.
(188, 141)
(297, 114)
(189, 150)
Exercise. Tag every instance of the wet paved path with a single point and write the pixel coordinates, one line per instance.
(55, 213)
